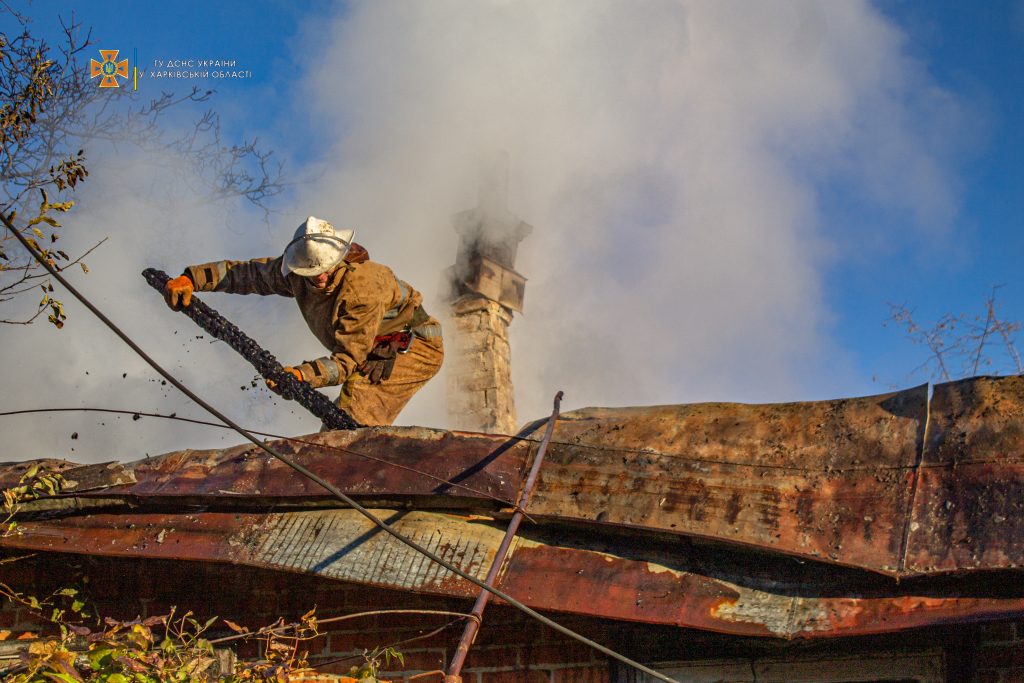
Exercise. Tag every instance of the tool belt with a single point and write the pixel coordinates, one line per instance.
(380, 362)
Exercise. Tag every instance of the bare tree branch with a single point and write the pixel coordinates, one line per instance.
(962, 340)
(52, 108)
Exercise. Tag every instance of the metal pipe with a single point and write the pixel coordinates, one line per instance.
(477, 613)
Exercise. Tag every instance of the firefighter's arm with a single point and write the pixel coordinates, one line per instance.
(258, 276)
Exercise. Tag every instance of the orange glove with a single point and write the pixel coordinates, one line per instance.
(272, 385)
(178, 292)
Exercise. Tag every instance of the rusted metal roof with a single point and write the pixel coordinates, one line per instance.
(828, 480)
(968, 510)
(788, 520)
(406, 464)
(855, 482)
(564, 572)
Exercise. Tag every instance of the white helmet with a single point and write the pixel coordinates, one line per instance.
(316, 248)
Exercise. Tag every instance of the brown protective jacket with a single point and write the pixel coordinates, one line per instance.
(364, 299)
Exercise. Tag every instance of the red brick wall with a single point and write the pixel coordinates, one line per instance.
(1000, 653)
(510, 648)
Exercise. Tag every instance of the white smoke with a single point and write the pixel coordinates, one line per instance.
(150, 218)
(670, 155)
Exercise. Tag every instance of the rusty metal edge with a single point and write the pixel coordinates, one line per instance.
(696, 601)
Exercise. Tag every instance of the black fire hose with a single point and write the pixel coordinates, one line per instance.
(221, 328)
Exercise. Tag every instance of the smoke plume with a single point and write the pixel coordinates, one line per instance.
(672, 157)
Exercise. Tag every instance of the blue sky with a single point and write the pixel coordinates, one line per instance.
(691, 176)
(976, 49)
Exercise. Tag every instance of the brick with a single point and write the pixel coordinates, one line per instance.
(412, 622)
(422, 660)
(492, 657)
(498, 630)
(572, 652)
(997, 632)
(287, 602)
(332, 598)
(125, 612)
(114, 588)
(580, 625)
(247, 649)
(9, 616)
(28, 621)
(516, 676)
(267, 605)
(333, 665)
(316, 645)
(347, 642)
(480, 382)
(1001, 656)
(589, 674)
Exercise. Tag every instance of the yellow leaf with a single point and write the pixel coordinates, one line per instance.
(235, 627)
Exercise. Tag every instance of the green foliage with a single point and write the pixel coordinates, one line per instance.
(163, 648)
(375, 660)
(171, 647)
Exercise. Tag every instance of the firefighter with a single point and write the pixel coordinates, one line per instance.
(383, 346)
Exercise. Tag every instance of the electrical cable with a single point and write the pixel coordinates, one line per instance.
(383, 526)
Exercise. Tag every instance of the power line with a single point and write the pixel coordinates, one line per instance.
(383, 526)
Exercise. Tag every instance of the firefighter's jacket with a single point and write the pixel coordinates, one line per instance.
(361, 301)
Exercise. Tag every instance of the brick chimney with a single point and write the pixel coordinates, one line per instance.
(485, 290)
